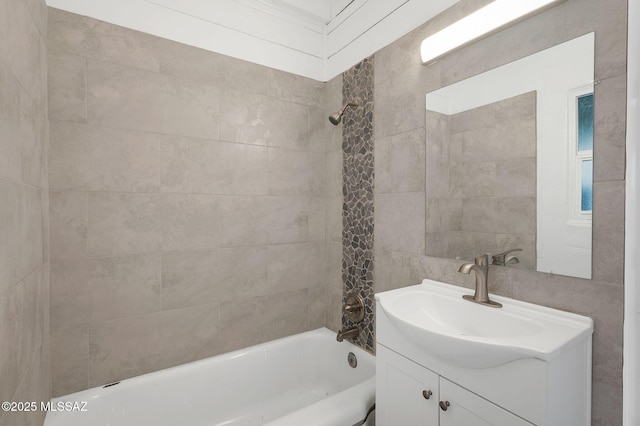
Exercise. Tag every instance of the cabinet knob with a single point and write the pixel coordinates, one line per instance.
(427, 394)
(444, 405)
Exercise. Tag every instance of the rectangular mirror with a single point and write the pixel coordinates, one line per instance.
(510, 160)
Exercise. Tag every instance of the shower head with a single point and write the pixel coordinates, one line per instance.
(335, 118)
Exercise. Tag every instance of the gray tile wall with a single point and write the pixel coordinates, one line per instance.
(481, 191)
(188, 196)
(401, 83)
(334, 205)
(25, 360)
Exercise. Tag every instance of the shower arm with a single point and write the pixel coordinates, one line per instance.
(337, 117)
(354, 103)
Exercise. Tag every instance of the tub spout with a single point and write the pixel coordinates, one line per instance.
(350, 332)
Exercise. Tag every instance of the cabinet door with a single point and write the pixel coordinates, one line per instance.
(467, 408)
(402, 388)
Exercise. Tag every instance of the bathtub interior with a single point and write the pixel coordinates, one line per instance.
(248, 387)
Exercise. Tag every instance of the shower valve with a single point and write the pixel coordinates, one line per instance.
(354, 307)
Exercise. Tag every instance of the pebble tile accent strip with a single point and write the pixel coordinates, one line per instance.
(357, 191)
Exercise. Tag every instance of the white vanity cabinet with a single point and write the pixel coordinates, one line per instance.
(467, 408)
(442, 360)
(409, 394)
(406, 393)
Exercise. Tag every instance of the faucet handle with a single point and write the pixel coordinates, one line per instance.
(503, 259)
(354, 307)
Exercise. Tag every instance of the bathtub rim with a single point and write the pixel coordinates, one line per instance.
(321, 331)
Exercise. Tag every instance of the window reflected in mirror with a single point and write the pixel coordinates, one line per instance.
(585, 151)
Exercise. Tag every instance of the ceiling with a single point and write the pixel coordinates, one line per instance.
(321, 10)
(318, 39)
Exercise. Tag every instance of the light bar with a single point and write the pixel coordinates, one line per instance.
(496, 15)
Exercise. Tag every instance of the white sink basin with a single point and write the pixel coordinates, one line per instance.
(434, 316)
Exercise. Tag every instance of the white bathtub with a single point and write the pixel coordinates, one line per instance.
(298, 380)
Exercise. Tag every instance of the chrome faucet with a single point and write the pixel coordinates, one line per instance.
(481, 268)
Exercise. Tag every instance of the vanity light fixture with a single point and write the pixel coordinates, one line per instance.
(495, 16)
